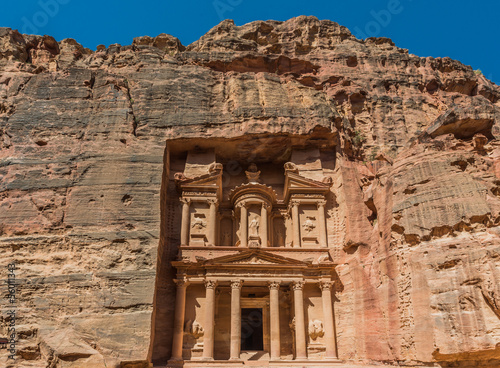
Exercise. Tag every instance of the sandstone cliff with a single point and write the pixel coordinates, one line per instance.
(82, 179)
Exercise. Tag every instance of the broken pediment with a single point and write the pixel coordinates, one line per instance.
(297, 184)
(211, 182)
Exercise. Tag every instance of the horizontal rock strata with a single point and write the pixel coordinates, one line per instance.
(83, 183)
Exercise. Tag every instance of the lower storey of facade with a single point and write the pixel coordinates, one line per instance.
(253, 321)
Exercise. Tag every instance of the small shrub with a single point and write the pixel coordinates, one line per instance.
(358, 138)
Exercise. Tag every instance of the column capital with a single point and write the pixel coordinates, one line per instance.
(210, 284)
(274, 285)
(181, 282)
(236, 284)
(294, 202)
(321, 202)
(185, 200)
(326, 285)
(213, 201)
(266, 206)
(242, 204)
(298, 285)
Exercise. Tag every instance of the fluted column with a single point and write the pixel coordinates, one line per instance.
(208, 339)
(300, 326)
(180, 308)
(263, 225)
(212, 230)
(323, 240)
(326, 296)
(295, 224)
(185, 221)
(243, 225)
(235, 347)
(274, 301)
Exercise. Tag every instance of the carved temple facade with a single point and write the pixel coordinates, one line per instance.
(255, 278)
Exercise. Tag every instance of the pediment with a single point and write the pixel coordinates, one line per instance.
(295, 183)
(211, 182)
(255, 257)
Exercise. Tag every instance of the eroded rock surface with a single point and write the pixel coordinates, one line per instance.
(83, 210)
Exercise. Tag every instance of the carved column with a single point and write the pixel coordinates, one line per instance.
(243, 225)
(300, 326)
(274, 300)
(208, 340)
(326, 296)
(295, 224)
(212, 230)
(235, 346)
(263, 225)
(180, 308)
(323, 240)
(185, 221)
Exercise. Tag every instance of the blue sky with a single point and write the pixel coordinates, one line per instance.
(463, 30)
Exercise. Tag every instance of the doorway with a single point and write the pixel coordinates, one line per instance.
(252, 332)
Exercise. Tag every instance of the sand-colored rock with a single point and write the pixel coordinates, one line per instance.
(89, 216)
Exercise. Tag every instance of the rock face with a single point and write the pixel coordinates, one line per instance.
(84, 210)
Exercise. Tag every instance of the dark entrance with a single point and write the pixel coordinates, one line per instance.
(252, 337)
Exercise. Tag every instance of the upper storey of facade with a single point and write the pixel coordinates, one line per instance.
(278, 203)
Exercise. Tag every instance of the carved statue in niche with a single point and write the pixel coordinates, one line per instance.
(254, 227)
(253, 174)
(316, 329)
(309, 224)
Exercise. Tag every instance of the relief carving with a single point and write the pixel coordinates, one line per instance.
(309, 224)
(179, 176)
(290, 166)
(194, 328)
(316, 329)
(215, 167)
(199, 223)
(328, 180)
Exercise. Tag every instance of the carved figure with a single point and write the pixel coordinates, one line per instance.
(179, 176)
(309, 224)
(324, 258)
(253, 174)
(290, 166)
(215, 167)
(254, 227)
(194, 328)
(198, 223)
(316, 329)
(328, 180)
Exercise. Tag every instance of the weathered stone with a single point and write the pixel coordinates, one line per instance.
(89, 208)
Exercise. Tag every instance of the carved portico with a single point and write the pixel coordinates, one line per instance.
(254, 270)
